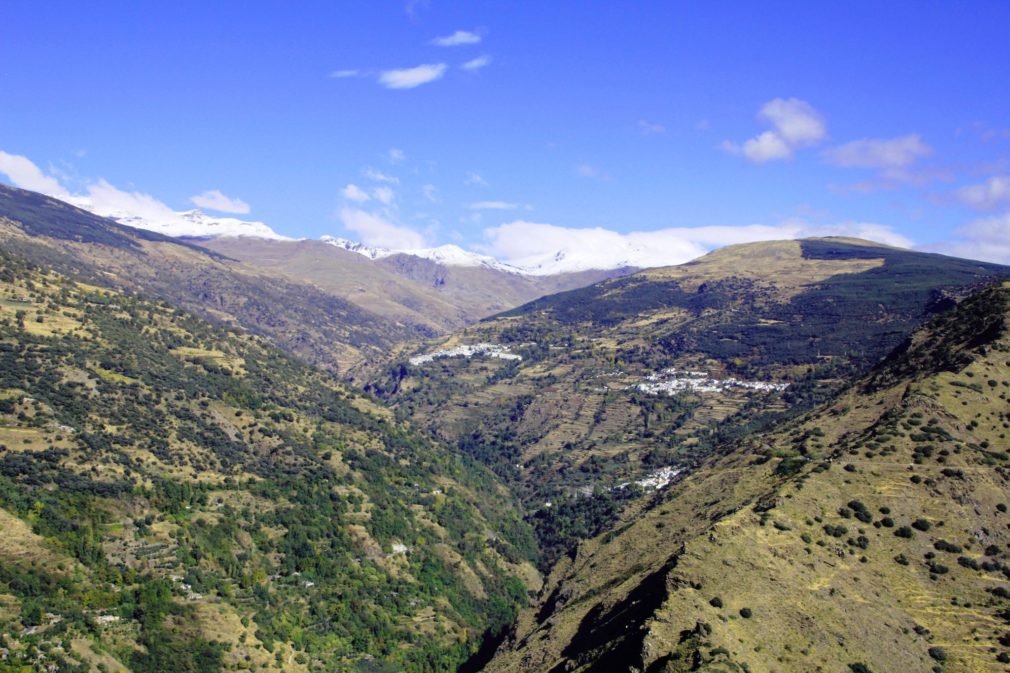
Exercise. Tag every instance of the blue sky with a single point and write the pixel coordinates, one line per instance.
(423, 123)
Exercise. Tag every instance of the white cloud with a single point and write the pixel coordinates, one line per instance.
(988, 195)
(493, 205)
(647, 128)
(769, 146)
(384, 195)
(23, 173)
(214, 200)
(132, 208)
(537, 245)
(475, 64)
(341, 74)
(795, 120)
(110, 201)
(379, 176)
(375, 231)
(887, 154)
(395, 155)
(795, 124)
(408, 78)
(474, 179)
(354, 193)
(987, 239)
(459, 38)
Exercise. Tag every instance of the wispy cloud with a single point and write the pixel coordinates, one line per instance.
(647, 128)
(590, 171)
(493, 205)
(987, 195)
(885, 154)
(457, 39)
(376, 231)
(475, 64)
(472, 179)
(413, 6)
(214, 200)
(430, 193)
(378, 176)
(384, 195)
(341, 74)
(409, 78)
(395, 155)
(354, 193)
(794, 124)
(987, 239)
(984, 132)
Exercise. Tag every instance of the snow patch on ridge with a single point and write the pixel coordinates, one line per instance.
(447, 255)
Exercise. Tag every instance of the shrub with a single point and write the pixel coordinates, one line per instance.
(921, 524)
(938, 653)
(905, 532)
(716, 602)
(966, 562)
(746, 613)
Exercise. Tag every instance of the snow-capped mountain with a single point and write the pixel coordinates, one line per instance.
(155, 216)
(448, 255)
(354, 246)
(574, 261)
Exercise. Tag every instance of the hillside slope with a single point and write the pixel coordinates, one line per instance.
(433, 297)
(870, 534)
(631, 378)
(178, 496)
(318, 326)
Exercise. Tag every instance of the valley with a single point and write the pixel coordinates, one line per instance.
(606, 384)
(868, 534)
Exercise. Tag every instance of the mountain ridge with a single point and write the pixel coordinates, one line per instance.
(576, 393)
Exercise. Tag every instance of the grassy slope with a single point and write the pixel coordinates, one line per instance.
(177, 495)
(872, 531)
(300, 317)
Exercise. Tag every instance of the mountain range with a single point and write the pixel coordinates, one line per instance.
(198, 225)
(222, 451)
(331, 306)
